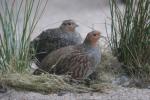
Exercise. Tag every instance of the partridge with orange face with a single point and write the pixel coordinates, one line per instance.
(53, 39)
(79, 61)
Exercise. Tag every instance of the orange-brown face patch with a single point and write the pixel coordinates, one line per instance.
(93, 36)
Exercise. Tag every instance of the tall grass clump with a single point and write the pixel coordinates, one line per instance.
(130, 36)
(18, 19)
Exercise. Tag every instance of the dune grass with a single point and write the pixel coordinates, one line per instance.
(18, 19)
(130, 36)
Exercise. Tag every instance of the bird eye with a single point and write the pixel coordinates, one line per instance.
(94, 34)
(69, 23)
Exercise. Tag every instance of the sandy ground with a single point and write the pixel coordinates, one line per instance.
(117, 94)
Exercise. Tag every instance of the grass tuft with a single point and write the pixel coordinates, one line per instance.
(130, 36)
(18, 19)
(48, 83)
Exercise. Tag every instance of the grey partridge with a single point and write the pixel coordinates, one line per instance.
(79, 61)
(52, 39)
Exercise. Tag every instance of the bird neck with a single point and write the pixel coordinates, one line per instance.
(89, 44)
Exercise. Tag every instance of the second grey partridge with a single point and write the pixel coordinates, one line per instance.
(79, 61)
(52, 39)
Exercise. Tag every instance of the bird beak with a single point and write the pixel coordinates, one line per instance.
(101, 36)
(76, 25)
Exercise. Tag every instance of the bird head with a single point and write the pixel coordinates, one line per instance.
(92, 37)
(68, 25)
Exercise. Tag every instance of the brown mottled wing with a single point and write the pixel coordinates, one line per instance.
(78, 64)
(53, 58)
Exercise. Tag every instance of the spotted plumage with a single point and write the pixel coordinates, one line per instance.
(79, 61)
(52, 39)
